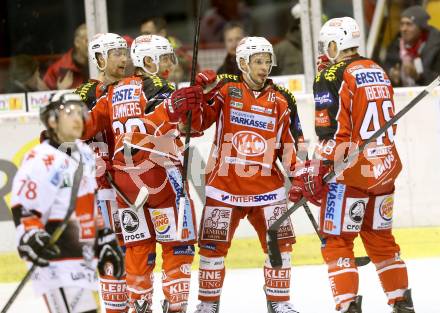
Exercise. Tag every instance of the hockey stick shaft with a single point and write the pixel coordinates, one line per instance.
(272, 241)
(140, 199)
(181, 205)
(358, 261)
(55, 235)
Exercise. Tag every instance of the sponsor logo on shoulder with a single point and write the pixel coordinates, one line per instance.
(235, 92)
(252, 120)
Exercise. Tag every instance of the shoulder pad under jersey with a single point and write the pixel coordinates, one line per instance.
(334, 72)
(228, 78)
(88, 92)
(152, 85)
(285, 92)
(156, 90)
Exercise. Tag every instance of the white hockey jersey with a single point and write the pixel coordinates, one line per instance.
(41, 194)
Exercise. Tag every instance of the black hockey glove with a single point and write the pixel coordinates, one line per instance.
(110, 256)
(34, 247)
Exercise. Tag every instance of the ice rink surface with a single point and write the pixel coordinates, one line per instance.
(243, 292)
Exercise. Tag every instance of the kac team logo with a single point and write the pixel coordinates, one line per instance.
(249, 143)
(130, 221)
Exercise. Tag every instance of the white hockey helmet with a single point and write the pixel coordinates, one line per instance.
(249, 46)
(103, 43)
(153, 46)
(344, 31)
(60, 100)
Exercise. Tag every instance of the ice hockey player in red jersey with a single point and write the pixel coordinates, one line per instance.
(41, 193)
(353, 99)
(256, 124)
(142, 113)
(109, 52)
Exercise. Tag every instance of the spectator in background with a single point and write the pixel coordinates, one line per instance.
(24, 75)
(289, 50)
(72, 69)
(158, 26)
(222, 12)
(413, 59)
(232, 34)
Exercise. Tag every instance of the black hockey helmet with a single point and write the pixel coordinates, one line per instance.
(59, 101)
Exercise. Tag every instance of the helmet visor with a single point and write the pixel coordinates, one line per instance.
(168, 58)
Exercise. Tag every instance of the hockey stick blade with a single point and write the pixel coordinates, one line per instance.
(180, 218)
(361, 260)
(141, 198)
(274, 254)
(273, 250)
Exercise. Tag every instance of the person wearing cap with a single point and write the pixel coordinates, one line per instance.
(413, 58)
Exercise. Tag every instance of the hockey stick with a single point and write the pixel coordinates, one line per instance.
(55, 235)
(359, 261)
(180, 217)
(271, 236)
(140, 199)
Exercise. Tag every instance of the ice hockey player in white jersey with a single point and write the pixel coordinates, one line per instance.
(41, 196)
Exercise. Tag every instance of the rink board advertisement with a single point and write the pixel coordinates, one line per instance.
(418, 142)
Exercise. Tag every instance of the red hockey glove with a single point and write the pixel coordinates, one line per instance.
(182, 100)
(308, 181)
(322, 62)
(207, 79)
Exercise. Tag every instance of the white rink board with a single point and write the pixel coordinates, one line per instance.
(418, 141)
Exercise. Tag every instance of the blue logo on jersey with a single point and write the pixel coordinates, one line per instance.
(323, 99)
(333, 209)
(368, 77)
(125, 93)
(184, 250)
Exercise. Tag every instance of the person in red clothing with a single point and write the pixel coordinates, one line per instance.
(141, 113)
(109, 53)
(257, 124)
(354, 99)
(72, 69)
